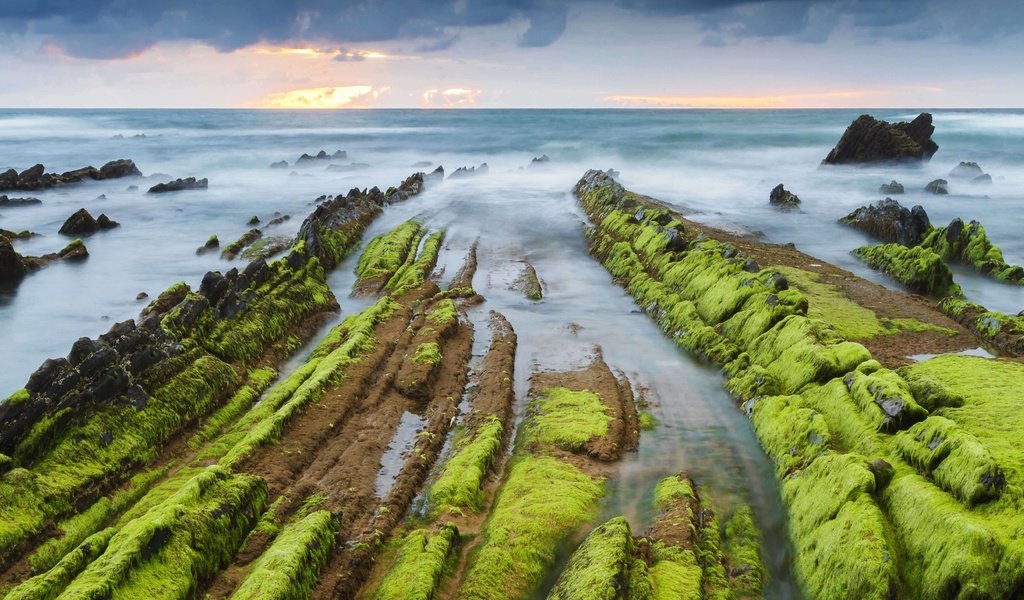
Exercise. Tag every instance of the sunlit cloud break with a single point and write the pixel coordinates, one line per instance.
(450, 97)
(347, 96)
(340, 54)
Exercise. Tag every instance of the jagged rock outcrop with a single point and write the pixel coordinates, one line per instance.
(469, 171)
(36, 178)
(189, 183)
(783, 198)
(868, 140)
(540, 161)
(893, 187)
(937, 186)
(889, 221)
(322, 155)
(82, 223)
(12, 268)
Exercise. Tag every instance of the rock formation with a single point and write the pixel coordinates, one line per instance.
(937, 186)
(35, 178)
(893, 187)
(189, 183)
(783, 198)
(869, 140)
(82, 222)
(888, 221)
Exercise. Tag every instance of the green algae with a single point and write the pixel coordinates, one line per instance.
(427, 353)
(843, 550)
(289, 568)
(178, 543)
(49, 584)
(387, 252)
(600, 567)
(443, 312)
(243, 399)
(742, 554)
(459, 484)
(566, 419)
(675, 574)
(970, 245)
(918, 268)
(542, 502)
(422, 559)
(884, 399)
(413, 273)
(672, 490)
(792, 434)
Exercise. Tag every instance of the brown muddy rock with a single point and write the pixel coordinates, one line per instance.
(12, 267)
(7, 202)
(783, 198)
(35, 177)
(890, 222)
(938, 187)
(464, 277)
(178, 185)
(529, 283)
(83, 223)
(869, 140)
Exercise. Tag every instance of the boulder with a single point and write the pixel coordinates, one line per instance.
(937, 186)
(783, 198)
(966, 170)
(82, 223)
(211, 244)
(869, 140)
(12, 268)
(189, 183)
(893, 187)
(890, 222)
(76, 250)
(983, 178)
(253, 221)
(116, 169)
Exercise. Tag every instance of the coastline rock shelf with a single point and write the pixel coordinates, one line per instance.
(900, 479)
(230, 444)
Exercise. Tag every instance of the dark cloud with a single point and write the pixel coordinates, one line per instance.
(116, 28)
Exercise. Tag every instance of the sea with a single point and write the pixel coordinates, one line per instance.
(718, 165)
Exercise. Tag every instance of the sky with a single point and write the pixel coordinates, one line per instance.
(350, 54)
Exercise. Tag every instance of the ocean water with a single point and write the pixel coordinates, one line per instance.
(721, 164)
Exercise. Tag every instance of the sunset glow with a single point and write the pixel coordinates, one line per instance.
(349, 96)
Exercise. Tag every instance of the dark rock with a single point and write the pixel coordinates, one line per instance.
(132, 188)
(435, 175)
(76, 250)
(281, 164)
(870, 140)
(141, 296)
(12, 267)
(278, 220)
(211, 244)
(783, 198)
(116, 169)
(189, 183)
(13, 202)
(35, 177)
(253, 221)
(966, 169)
(101, 197)
(18, 235)
(937, 186)
(321, 156)
(540, 160)
(983, 178)
(890, 222)
(82, 223)
(893, 187)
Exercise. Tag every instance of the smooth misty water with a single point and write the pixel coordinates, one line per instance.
(722, 164)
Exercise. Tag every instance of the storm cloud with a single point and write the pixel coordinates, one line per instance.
(118, 28)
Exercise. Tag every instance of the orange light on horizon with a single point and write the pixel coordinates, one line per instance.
(330, 53)
(346, 96)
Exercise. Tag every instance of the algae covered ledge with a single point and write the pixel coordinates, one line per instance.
(895, 479)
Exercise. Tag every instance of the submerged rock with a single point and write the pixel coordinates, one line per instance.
(889, 221)
(783, 198)
(189, 183)
(281, 164)
(983, 178)
(469, 171)
(937, 186)
(348, 167)
(35, 177)
(893, 187)
(12, 202)
(540, 161)
(253, 221)
(82, 222)
(868, 140)
(435, 175)
(12, 268)
(18, 235)
(322, 155)
(211, 244)
(966, 169)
